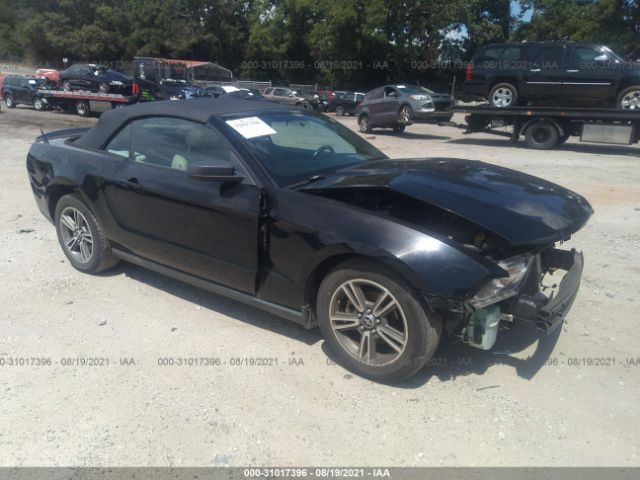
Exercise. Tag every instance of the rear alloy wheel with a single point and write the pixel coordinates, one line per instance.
(406, 115)
(629, 98)
(82, 237)
(503, 95)
(374, 323)
(364, 124)
(542, 135)
(38, 104)
(8, 100)
(340, 111)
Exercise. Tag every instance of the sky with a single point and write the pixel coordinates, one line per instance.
(515, 10)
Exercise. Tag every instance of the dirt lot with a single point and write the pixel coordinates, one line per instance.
(567, 400)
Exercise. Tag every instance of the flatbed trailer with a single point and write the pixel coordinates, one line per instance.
(544, 128)
(83, 103)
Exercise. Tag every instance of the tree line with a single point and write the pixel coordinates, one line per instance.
(346, 43)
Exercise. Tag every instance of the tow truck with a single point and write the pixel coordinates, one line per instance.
(545, 128)
(83, 103)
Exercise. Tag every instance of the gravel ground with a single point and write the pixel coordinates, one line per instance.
(565, 400)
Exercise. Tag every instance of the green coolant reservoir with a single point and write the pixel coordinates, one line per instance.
(482, 330)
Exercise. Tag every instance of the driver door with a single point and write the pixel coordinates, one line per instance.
(202, 227)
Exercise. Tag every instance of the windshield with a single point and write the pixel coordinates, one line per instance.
(294, 147)
(413, 90)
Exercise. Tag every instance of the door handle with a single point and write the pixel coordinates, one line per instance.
(573, 71)
(131, 183)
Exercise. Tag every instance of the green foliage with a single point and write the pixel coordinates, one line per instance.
(344, 43)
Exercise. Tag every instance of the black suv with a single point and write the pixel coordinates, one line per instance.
(26, 90)
(561, 72)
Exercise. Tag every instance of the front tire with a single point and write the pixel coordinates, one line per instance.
(363, 124)
(38, 104)
(629, 98)
(340, 111)
(405, 115)
(9, 102)
(66, 86)
(103, 88)
(503, 95)
(82, 237)
(374, 323)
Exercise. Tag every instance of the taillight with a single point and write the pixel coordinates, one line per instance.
(469, 72)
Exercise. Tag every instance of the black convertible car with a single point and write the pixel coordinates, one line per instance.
(95, 78)
(289, 211)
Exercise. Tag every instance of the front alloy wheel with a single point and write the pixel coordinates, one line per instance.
(629, 99)
(374, 323)
(406, 115)
(368, 322)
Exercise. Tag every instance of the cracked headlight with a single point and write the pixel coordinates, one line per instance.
(502, 288)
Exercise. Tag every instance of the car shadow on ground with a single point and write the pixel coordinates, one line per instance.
(217, 303)
(590, 148)
(451, 360)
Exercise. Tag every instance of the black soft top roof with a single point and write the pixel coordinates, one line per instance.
(198, 110)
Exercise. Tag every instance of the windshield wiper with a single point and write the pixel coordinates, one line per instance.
(307, 181)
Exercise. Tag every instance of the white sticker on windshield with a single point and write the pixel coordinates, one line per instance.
(251, 127)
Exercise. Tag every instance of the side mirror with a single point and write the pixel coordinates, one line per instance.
(214, 170)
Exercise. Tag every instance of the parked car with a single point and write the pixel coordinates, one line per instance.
(345, 103)
(293, 213)
(94, 78)
(18, 90)
(396, 106)
(251, 93)
(217, 90)
(287, 96)
(560, 73)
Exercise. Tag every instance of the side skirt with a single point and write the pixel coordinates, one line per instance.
(300, 317)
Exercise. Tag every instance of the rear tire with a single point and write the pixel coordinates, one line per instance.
(629, 98)
(542, 135)
(9, 102)
(389, 341)
(364, 124)
(503, 95)
(82, 237)
(340, 111)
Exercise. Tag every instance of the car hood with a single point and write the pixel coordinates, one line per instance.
(520, 208)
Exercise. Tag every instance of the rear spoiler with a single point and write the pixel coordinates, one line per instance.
(67, 132)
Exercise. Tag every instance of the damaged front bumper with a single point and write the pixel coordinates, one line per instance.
(548, 312)
(531, 304)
